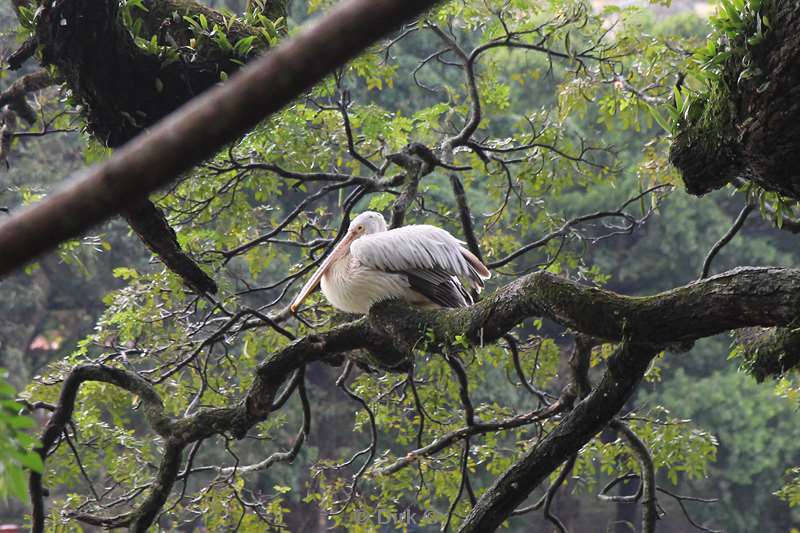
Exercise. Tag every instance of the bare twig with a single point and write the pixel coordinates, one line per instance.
(681, 499)
(725, 239)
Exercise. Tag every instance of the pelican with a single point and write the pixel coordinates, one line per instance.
(419, 264)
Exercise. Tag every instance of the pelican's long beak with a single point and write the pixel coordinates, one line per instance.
(340, 250)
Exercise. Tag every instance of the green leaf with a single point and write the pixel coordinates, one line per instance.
(660, 120)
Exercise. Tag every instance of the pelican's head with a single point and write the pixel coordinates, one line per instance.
(366, 223)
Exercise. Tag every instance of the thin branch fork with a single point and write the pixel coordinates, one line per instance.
(648, 474)
(571, 223)
(478, 428)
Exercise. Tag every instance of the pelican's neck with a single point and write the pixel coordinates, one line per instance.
(335, 268)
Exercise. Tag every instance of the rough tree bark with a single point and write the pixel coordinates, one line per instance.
(125, 88)
(747, 127)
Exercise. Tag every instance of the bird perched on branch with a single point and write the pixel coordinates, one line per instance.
(423, 265)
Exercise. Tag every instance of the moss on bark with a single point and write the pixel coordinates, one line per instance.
(747, 123)
(770, 352)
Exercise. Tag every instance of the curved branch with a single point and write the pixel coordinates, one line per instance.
(553, 490)
(148, 510)
(725, 239)
(648, 475)
(681, 499)
(735, 299)
(512, 346)
(589, 417)
(475, 114)
(153, 410)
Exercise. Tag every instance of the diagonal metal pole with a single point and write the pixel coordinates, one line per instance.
(198, 129)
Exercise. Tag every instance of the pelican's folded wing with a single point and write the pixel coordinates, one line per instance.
(439, 287)
(419, 248)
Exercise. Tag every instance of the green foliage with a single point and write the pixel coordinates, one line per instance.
(737, 29)
(680, 451)
(759, 438)
(16, 445)
(790, 492)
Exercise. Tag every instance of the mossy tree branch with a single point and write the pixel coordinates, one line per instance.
(392, 331)
(770, 352)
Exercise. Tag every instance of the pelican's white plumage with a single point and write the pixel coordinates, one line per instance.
(420, 264)
(418, 247)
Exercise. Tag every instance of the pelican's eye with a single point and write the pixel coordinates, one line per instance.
(360, 227)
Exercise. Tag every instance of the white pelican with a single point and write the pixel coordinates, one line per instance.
(419, 264)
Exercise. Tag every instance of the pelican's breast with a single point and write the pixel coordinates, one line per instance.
(353, 287)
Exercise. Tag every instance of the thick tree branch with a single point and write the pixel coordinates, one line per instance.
(625, 369)
(389, 335)
(151, 225)
(731, 300)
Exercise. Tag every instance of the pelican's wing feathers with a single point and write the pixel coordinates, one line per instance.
(439, 287)
(420, 248)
